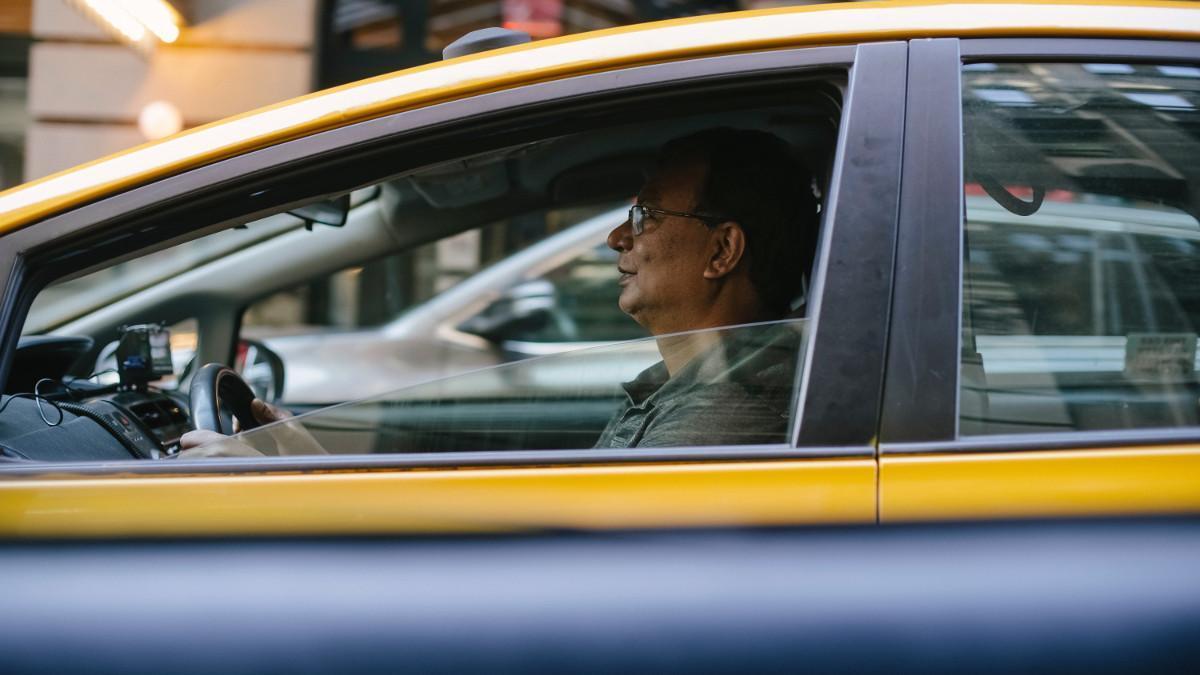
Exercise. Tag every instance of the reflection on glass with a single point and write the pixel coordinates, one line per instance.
(1081, 290)
(1179, 71)
(1156, 100)
(728, 386)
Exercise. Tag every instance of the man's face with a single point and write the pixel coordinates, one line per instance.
(662, 269)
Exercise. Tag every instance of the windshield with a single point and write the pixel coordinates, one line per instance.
(731, 386)
(66, 300)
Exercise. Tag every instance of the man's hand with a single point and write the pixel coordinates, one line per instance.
(200, 444)
(199, 437)
(291, 439)
(264, 413)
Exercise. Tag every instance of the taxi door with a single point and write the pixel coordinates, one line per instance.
(1042, 356)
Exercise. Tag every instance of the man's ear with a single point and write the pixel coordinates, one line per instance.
(727, 249)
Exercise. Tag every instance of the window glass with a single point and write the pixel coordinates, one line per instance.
(459, 283)
(540, 278)
(738, 389)
(579, 299)
(380, 291)
(69, 299)
(1081, 292)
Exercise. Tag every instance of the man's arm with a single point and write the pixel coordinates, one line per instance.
(291, 438)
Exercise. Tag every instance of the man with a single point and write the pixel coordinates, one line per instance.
(722, 234)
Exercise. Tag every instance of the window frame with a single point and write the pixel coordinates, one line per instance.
(278, 176)
(921, 404)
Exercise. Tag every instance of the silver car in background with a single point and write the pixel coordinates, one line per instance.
(557, 295)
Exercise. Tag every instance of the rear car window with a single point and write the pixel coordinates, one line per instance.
(1081, 287)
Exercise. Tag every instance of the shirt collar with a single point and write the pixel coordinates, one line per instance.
(737, 349)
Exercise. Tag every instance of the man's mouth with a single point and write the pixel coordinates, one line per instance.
(626, 275)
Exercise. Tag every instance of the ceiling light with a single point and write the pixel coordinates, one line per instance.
(117, 18)
(141, 23)
(156, 15)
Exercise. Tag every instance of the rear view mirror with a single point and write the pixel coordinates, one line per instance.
(332, 212)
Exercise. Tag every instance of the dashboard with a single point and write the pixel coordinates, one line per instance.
(150, 421)
(47, 415)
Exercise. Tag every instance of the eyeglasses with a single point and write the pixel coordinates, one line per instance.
(637, 217)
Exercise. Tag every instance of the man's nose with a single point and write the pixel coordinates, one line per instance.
(621, 237)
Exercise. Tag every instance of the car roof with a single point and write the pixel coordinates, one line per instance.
(584, 53)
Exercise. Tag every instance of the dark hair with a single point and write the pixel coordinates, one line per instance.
(754, 180)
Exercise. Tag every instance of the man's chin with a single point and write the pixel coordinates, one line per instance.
(628, 304)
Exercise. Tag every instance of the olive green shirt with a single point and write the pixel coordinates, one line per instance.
(739, 392)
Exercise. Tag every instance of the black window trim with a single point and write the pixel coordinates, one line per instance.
(1052, 441)
(1087, 50)
(1078, 50)
(921, 389)
(856, 258)
(248, 173)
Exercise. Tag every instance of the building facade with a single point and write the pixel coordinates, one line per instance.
(73, 89)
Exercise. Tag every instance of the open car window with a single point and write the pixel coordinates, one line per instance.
(446, 269)
(532, 284)
(737, 388)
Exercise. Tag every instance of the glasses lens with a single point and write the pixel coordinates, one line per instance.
(637, 218)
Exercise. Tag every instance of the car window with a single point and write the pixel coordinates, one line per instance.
(452, 305)
(380, 291)
(70, 299)
(579, 298)
(738, 389)
(559, 296)
(465, 265)
(1081, 289)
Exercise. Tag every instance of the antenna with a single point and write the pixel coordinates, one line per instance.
(484, 39)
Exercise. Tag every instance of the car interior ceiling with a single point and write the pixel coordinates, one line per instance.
(583, 168)
(445, 198)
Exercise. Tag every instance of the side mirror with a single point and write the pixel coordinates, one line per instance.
(261, 368)
(332, 212)
(528, 306)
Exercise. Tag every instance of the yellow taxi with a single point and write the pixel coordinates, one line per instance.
(1000, 320)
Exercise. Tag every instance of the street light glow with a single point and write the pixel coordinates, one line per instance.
(135, 21)
(118, 18)
(159, 119)
(157, 16)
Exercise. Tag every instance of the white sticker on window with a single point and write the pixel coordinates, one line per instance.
(1160, 355)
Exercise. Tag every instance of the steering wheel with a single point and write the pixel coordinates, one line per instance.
(219, 395)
